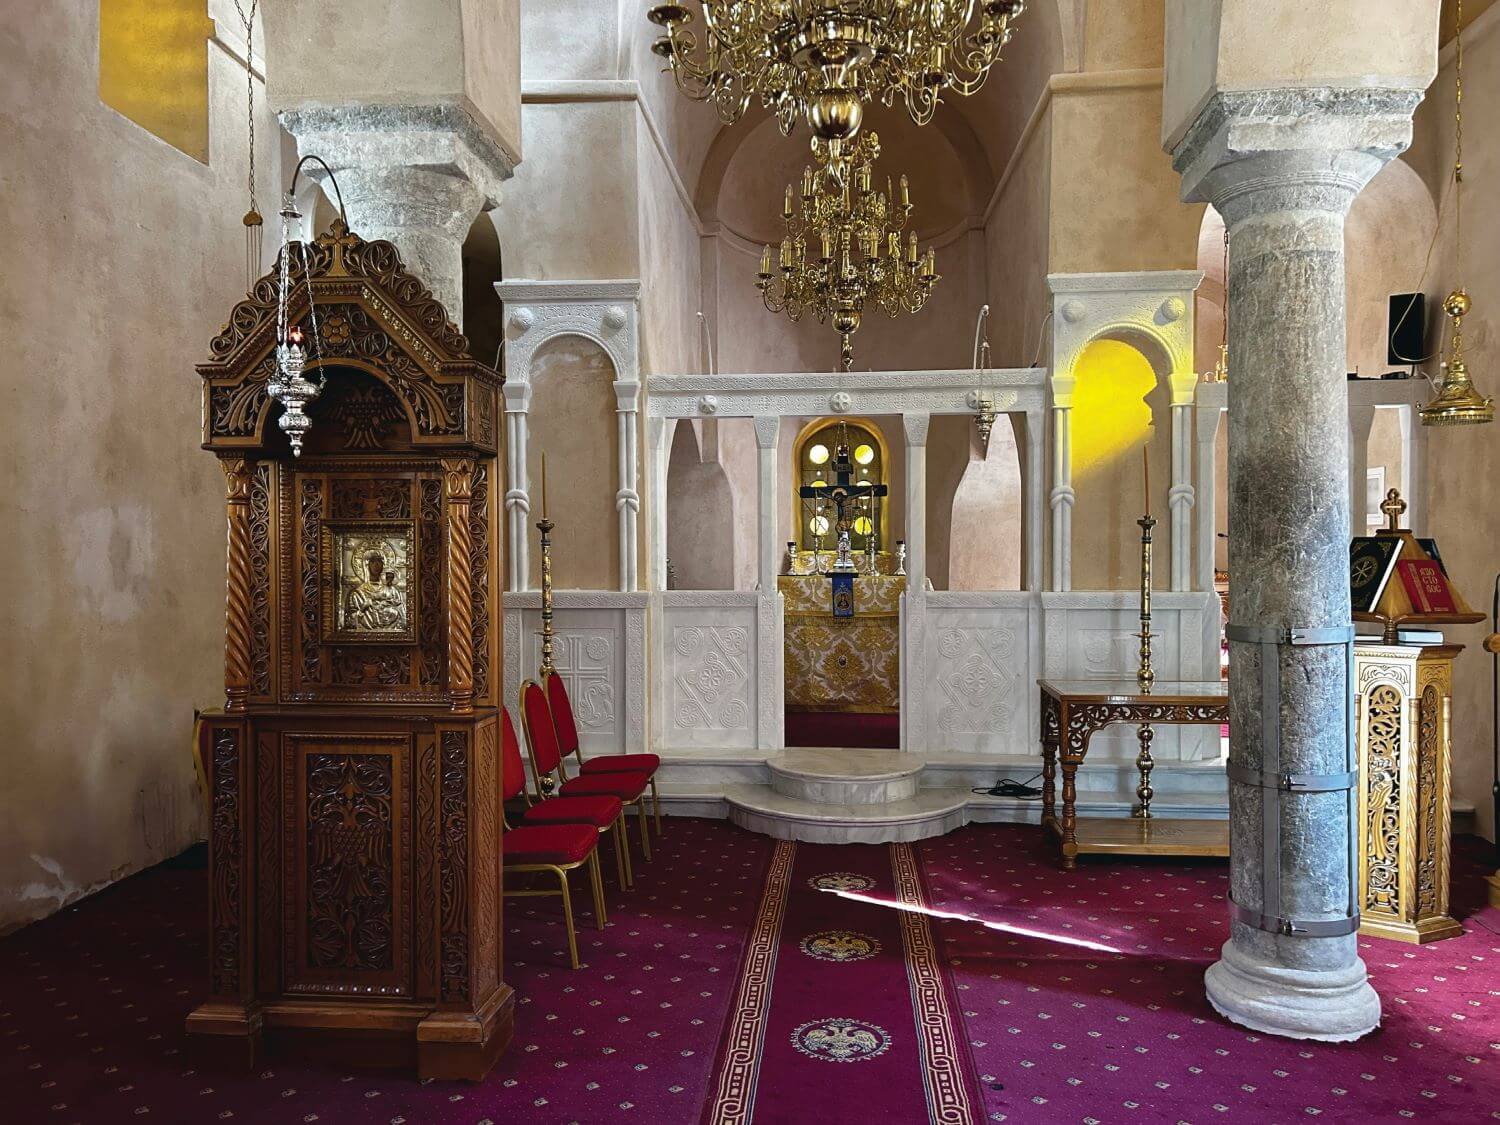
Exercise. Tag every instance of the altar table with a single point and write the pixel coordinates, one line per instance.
(843, 663)
(1072, 710)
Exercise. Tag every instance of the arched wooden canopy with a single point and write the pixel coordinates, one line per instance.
(372, 316)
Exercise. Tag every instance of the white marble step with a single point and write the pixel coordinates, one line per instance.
(931, 812)
(846, 777)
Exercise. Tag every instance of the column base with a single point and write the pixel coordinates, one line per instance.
(464, 1045)
(226, 1035)
(1336, 1006)
(1494, 882)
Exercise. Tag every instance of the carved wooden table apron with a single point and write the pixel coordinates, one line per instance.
(1072, 710)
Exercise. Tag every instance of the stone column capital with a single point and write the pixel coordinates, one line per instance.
(767, 432)
(1260, 151)
(417, 176)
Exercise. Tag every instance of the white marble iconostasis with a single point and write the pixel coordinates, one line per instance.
(696, 673)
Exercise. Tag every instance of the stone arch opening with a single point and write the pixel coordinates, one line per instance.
(700, 510)
(572, 423)
(1121, 406)
(986, 543)
(483, 311)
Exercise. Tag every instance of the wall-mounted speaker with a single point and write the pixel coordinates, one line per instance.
(1406, 329)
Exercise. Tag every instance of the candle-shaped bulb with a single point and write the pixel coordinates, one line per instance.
(827, 246)
(786, 254)
(765, 261)
(786, 208)
(911, 248)
(905, 192)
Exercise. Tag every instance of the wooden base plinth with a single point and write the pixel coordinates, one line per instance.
(1153, 836)
(463, 1046)
(1494, 882)
(1434, 928)
(398, 1036)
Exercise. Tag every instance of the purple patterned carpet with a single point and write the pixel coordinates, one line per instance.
(1081, 1001)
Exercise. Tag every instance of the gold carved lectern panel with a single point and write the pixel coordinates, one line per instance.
(1403, 715)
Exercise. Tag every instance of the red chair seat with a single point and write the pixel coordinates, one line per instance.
(601, 811)
(622, 763)
(549, 843)
(625, 786)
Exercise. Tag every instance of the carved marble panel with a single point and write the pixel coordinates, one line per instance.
(978, 680)
(711, 661)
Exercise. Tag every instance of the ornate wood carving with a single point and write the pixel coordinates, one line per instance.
(1429, 727)
(268, 859)
(486, 876)
(237, 632)
(261, 563)
(370, 498)
(453, 861)
(458, 479)
(226, 839)
(374, 316)
(430, 584)
(350, 877)
(479, 548)
(311, 572)
(424, 936)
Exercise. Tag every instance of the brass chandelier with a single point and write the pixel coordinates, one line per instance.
(845, 245)
(825, 60)
(1457, 402)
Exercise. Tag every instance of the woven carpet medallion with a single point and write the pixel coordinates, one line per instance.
(843, 1011)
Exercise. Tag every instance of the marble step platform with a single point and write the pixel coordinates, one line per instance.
(931, 812)
(846, 777)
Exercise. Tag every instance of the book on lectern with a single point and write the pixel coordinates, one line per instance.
(1426, 586)
(1372, 559)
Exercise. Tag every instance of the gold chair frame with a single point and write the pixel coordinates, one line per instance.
(578, 753)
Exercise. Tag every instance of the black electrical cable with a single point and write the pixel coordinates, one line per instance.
(1009, 787)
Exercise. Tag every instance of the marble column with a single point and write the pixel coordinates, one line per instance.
(1062, 495)
(767, 437)
(914, 642)
(1282, 167)
(417, 176)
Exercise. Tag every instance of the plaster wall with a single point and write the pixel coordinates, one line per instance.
(569, 212)
(1016, 237)
(112, 560)
(570, 39)
(400, 52)
(1463, 462)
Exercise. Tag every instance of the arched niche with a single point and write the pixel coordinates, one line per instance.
(1121, 405)
(700, 510)
(483, 311)
(572, 421)
(813, 454)
(985, 538)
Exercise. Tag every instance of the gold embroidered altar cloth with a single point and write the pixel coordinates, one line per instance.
(843, 663)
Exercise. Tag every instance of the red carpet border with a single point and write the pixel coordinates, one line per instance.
(842, 994)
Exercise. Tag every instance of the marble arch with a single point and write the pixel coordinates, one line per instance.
(604, 313)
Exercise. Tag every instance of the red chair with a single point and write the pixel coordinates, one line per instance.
(568, 743)
(558, 849)
(547, 761)
(605, 813)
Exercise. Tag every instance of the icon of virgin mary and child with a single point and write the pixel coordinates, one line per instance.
(374, 603)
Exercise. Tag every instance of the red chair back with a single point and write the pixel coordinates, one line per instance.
(562, 715)
(541, 735)
(512, 770)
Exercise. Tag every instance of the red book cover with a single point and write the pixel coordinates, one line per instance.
(1426, 586)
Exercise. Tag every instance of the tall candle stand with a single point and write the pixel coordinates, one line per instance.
(544, 525)
(1145, 676)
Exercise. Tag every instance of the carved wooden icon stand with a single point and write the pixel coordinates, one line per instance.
(354, 837)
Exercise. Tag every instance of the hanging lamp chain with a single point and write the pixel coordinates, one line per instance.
(252, 220)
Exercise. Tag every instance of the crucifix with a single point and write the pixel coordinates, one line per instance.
(845, 496)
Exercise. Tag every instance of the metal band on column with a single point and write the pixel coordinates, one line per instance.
(1273, 781)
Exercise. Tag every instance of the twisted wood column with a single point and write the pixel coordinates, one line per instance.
(458, 493)
(237, 475)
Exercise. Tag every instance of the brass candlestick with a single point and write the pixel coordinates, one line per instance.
(1145, 676)
(544, 525)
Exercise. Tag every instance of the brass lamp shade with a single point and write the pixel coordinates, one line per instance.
(1457, 403)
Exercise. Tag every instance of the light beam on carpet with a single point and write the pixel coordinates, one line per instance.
(1002, 927)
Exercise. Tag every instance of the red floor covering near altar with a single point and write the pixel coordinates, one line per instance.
(861, 730)
(1077, 998)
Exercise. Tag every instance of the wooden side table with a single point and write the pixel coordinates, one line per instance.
(1072, 710)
